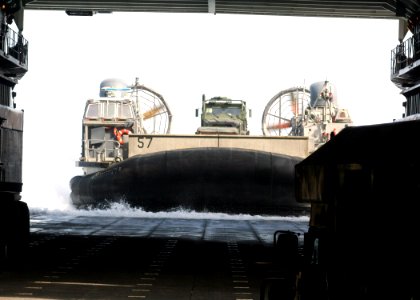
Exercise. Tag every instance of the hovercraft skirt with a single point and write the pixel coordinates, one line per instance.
(226, 180)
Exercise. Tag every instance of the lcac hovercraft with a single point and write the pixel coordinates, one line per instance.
(239, 174)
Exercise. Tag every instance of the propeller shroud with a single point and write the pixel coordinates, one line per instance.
(284, 113)
(156, 117)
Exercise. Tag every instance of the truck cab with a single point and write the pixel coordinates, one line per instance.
(221, 115)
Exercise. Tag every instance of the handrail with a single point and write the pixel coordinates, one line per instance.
(405, 54)
(13, 44)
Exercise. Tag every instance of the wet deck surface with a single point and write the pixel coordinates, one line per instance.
(105, 257)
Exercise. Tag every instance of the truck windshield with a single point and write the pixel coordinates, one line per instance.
(217, 110)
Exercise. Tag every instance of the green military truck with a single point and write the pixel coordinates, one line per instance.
(221, 115)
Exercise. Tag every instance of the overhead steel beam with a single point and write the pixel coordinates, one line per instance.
(391, 9)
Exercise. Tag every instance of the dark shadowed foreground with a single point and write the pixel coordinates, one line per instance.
(108, 257)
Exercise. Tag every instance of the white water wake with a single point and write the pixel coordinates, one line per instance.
(124, 210)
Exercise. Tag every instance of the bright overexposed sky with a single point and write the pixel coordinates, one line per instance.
(182, 56)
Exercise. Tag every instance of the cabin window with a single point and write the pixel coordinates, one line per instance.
(92, 111)
(125, 112)
(110, 110)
